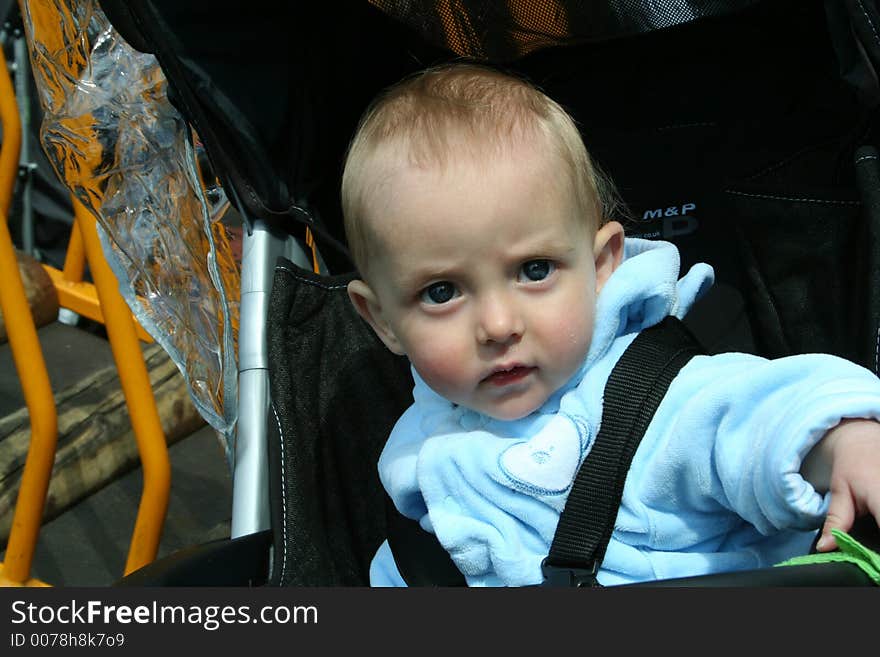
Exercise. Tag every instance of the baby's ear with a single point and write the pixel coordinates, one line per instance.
(366, 302)
(607, 251)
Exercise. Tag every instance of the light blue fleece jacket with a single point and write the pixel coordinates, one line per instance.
(714, 485)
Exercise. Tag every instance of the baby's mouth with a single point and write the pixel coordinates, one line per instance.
(508, 376)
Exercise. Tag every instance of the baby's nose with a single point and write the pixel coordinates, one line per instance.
(499, 322)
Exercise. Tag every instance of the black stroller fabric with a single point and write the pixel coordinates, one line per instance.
(336, 394)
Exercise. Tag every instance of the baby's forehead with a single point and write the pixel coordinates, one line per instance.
(393, 160)
(395, 172)
(429, 202)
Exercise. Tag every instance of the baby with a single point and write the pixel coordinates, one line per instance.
(483, 235)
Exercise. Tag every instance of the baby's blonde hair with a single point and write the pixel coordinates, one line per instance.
(443, 111)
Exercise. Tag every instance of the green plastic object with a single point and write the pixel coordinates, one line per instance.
(849, 550)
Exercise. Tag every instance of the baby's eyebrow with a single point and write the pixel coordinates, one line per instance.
(540, 247)
(419, 278)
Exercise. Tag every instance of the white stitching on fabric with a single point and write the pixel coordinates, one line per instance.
(797, 200)
(877, 354)
(782, 163)
(309, 280)
(870, 22)
(283, 499)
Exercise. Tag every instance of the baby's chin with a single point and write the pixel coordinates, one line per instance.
(513, 417)
(510, 412)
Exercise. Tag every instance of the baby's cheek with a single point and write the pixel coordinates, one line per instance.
(443, 368)
(567, 340)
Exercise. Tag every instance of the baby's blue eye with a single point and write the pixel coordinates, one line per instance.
(536, 270)
(438, 293)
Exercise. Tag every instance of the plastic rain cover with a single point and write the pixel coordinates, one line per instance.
(125, 152)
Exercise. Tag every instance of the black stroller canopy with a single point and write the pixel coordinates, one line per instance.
(275, 89)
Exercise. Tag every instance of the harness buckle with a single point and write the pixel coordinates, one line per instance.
(569, 576)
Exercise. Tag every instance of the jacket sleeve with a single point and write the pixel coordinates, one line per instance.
(731, 435)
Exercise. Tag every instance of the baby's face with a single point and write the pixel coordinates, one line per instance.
(486, 280)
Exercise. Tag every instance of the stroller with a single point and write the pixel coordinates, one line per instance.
(756, 158)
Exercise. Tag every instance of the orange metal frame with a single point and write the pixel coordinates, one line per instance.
(29, 363)
(73, 293)
(101, 302)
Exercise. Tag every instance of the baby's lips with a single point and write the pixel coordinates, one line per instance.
(506, 377)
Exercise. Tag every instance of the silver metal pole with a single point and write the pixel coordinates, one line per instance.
(26, 167)
(250, 485)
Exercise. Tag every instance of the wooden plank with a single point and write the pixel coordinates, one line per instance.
(95, 441)
(39, 290)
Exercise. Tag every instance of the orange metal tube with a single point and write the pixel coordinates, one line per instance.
(73, 293)
(11, 149)
(75, 258)
(139, 399)
(37, 391)
(29, 362)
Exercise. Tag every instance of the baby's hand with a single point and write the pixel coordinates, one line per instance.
(846, 462)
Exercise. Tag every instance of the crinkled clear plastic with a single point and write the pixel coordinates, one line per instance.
(125, 152)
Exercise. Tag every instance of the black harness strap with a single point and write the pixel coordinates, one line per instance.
(635, 388)
(419, 557)
(637, 384)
